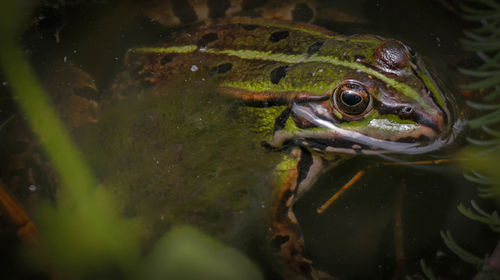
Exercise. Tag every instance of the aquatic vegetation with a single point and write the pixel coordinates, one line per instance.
(483, 152)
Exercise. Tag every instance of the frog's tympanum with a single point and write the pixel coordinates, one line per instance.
(341, 96)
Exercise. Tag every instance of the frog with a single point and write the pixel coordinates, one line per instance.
(326, 97)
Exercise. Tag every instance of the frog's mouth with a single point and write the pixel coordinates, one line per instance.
(328, 137)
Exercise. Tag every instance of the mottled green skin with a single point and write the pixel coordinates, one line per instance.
(254, 74)
(241, 56)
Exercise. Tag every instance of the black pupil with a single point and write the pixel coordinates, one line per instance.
(350, 98)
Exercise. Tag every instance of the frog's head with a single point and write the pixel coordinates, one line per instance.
(387, 102)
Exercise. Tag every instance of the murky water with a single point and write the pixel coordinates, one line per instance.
(191, 159)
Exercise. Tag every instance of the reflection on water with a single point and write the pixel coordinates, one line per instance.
(190, 158)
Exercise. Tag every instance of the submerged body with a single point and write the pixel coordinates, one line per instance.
(340, 96)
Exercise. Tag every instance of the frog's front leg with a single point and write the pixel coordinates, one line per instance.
(296, 174)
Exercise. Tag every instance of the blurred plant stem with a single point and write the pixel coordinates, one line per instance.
(83, 236)
(30, 96)
(84, 231)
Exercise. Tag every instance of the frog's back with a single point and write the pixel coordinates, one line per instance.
(261, 54)
(376, 93)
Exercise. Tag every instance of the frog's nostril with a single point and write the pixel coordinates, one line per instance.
(407, 110)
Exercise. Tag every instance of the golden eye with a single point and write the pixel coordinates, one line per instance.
(351, 98)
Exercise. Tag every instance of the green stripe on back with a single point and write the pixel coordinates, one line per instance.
(292, 59)
(173, 49)
(286, 58)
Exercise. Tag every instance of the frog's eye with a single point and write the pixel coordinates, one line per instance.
(351, 98)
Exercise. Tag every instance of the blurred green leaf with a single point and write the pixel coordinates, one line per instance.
(185, 253)
(88, 239)
(83, 234)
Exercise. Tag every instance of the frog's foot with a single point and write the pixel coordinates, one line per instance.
(294, 176)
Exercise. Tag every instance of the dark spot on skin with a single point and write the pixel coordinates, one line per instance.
(218, 8)
(302, 12)
(278, 241)
(249, 27)
(304, 165)
(280, 121)
(278, 36)
(277, 74)
(221, 68)
(314, 48)
(184, 12)
(359, 57)
(207, 38)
